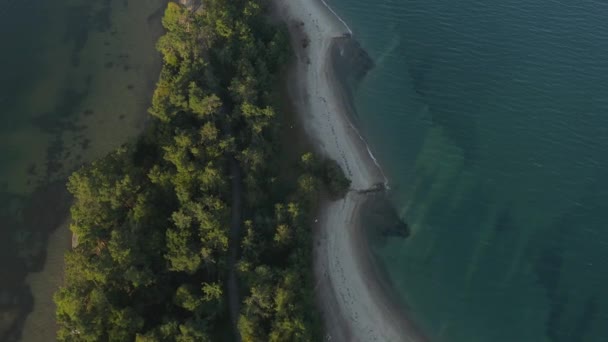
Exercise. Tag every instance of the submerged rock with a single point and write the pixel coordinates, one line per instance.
(379, 213)
(350, 61)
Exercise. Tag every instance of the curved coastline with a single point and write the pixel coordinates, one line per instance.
(356, 306)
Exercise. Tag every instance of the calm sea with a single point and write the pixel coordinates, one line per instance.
(75, 81)
(491, 121)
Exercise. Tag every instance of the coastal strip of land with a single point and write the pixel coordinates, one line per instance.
(353, 302)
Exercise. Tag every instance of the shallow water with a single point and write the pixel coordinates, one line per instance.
(75, 81)
(491, 122)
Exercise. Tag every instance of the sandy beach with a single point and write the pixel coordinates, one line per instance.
(354, 305)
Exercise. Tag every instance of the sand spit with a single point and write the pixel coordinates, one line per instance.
(354, 304)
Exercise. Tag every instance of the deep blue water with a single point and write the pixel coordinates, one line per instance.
(491, 121)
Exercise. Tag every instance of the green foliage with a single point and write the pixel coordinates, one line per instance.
(336, 182)
(181, 254)
(174, 18)
(328, 172)
(153, 220)
(193, 330)
(212, 292)
(187, 298)
(203, 105)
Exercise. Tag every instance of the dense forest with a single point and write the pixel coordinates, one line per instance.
(199, 230)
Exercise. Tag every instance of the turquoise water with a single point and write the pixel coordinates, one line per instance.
(75, 81)
(491, 121)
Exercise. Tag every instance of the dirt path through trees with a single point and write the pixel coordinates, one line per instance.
(233, 245)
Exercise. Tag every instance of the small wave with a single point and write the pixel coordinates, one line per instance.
(337, 16)
(386, 186)
(369, 152)
(352, 126)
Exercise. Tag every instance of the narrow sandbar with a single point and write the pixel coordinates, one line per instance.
(354, 305)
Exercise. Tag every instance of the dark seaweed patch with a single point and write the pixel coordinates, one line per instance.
(85, 144)
(379, 212)
(582, 323)
(102, 18)
(25, 224)
(61, 118)
(504, 222)
(31, 170)
(548, 269)
(58, 121)
(53, 154)
(77, 30)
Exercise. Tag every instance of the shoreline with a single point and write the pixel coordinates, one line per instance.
(353, 301)
(342, 95)
(39, 321)
(337, 16)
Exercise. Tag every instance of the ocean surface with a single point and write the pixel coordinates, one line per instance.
(75, 80)
(491, 122)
